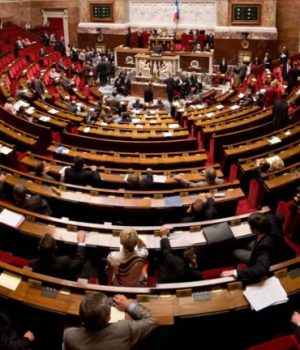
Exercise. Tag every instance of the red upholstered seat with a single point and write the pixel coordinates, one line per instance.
(215, 273)
(286, 342)
(233, 174)
(19, 262)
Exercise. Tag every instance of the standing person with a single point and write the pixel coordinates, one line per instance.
(148, 94)
(280, 112)
(170, 82)
(223, 66)
(98, 334)
(267, 61)
(284, 55)
(9, 340)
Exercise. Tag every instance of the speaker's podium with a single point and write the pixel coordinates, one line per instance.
(166, 43)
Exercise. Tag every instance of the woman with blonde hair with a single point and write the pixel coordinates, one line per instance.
(125, 267)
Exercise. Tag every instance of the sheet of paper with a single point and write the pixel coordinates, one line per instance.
(219, 106)
(52, 111)
(173, 126)
(167, 134)
(11, 218)
(241, 230)
(160, 179)
(116, 315)
(264, 294)
(234, 107)
(30, 110)
(9, 280)
(5, 150)
(44, 118)
(270, 160)
(87, 129)
(273, 140)
(173, 201)
(209, 115)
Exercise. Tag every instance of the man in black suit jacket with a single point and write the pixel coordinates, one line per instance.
(33, 203)
(170, 82)
(264, 250)
(280, 112)
(174, 268)
(77, 175)
(148, 94)
(58, 266)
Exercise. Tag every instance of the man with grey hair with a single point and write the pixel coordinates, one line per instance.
(97, 333)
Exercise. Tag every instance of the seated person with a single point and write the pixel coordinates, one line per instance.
(24, 94)
(159, 104)
(9, 339)
(203, 208)
(33, 203)
(65, 82)
(9, 105)
(174, 268)
(72, 107)
(269, 164)
(268, 248)
(210, 179)
(124, 267)
(78, 175)
(41, 171)
(58, 266)
(137, 104)
(157, 48)
(54, 75)
(134, 182)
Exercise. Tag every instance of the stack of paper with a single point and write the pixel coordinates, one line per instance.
(264, 294)
(273, 140)
(9, 280)
(11, 218)
(5, 150)
(159, 178)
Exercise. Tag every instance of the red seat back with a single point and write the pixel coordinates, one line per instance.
(286, 342)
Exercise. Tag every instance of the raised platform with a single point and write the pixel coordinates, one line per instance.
(201, 62)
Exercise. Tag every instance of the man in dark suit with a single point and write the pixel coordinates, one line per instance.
(58, 266)
(38, 87)
(77, 175)
(137, 104)
(33, 203)
(174, 268)
(292, 77)
(170, 82)
(261, 252)
(280, 112)
(201, 209)
(148, 94)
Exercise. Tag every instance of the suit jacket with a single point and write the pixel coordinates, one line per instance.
(223, 67)
(260, 261)
(123, 335)
(60, 266)
(83, 177)
(36, 204)
(271, 96)
(173, 268)
(148, 95)
(280, 113)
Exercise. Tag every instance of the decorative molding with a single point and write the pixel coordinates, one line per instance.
(193, 14)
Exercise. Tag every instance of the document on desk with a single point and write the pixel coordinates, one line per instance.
(9, 280)
(241, 230)
(11, 218)
(180, 239)
(173, 201)
(267, 293)
(52, 111)
(159, 179)
(173, 126)
(273, 140)
(5, 150)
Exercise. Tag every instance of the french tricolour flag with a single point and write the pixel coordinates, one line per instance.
(176, 13)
